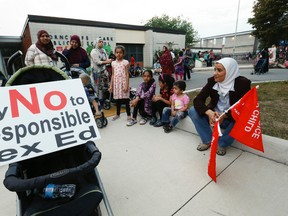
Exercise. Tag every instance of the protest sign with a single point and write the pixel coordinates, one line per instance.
(38, 119)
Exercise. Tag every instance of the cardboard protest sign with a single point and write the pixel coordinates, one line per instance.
(38, 119)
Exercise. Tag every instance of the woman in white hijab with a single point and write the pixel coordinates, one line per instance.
(224, 89)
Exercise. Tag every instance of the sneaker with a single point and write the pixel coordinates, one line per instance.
(158, 123)
(168, 129)
(153, 121)
(143, 121)
(115, 117)
(131, 122)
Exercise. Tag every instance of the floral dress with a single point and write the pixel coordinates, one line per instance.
(119, 81)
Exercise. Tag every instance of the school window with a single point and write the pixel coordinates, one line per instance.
(134, 49)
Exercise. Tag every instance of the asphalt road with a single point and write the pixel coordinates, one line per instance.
(199, 78)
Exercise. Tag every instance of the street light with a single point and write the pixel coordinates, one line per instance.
(236, 29)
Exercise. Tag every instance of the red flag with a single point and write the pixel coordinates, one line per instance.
(246, 113)
(213, 150)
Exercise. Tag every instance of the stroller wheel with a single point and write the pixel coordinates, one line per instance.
(99, 122)
(105, 122)
(107, 105)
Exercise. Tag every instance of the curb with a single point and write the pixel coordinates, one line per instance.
(275, 149)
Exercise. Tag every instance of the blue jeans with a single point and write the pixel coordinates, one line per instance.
(205, 132)
(166, 116)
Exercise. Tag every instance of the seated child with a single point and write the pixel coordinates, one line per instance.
(143, 100)
(163, 99)
(178, 109)
(90, 93)
(131, 71)
(157, 68)
(138, 70)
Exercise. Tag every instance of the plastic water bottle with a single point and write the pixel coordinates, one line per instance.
(53, 191)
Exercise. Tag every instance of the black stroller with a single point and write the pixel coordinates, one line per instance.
(74, 73)
(102, 84)
(3, 79)
(73, 166)
(259, 67)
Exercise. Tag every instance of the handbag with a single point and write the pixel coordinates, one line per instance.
(192, 65)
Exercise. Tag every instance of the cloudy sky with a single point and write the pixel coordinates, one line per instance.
(208, 17)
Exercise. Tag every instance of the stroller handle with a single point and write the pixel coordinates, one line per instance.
(14, 182)
(11, 61)
(63, 59)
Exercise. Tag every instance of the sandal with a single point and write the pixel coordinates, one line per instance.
(221, 151)
(203, 147)
(98, 114)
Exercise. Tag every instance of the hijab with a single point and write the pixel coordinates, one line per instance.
(101, 50)
(232, 72)
(76, 38)
(48, 49)
(77, 55)
(166, 61)
(97, 41)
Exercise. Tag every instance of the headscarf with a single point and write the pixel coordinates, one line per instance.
(77, 55)
(232, 72)
(48, 49)
(97, 41)
(76, 38)
(101, 50)
(166, 62)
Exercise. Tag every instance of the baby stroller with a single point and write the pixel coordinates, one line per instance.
(102, 120)
(259, 67)
(102, 85)
(3, 79)
(73, 166)
(74, 73)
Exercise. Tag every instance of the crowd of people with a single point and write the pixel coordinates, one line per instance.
(278, 56)
(225, 87)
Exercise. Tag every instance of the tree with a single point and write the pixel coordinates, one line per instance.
(174, 23)
(270, 21)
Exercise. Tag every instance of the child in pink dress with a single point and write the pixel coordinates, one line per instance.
(120, 82)
(178, 109)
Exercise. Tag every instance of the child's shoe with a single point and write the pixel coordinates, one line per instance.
(131, 122)
(143, 121)
(153, 121)
(168, 129)
(165, 125)
(158, 123)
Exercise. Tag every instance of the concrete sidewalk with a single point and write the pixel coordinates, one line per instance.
(148, 172)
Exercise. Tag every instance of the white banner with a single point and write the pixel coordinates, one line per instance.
(38, 119)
